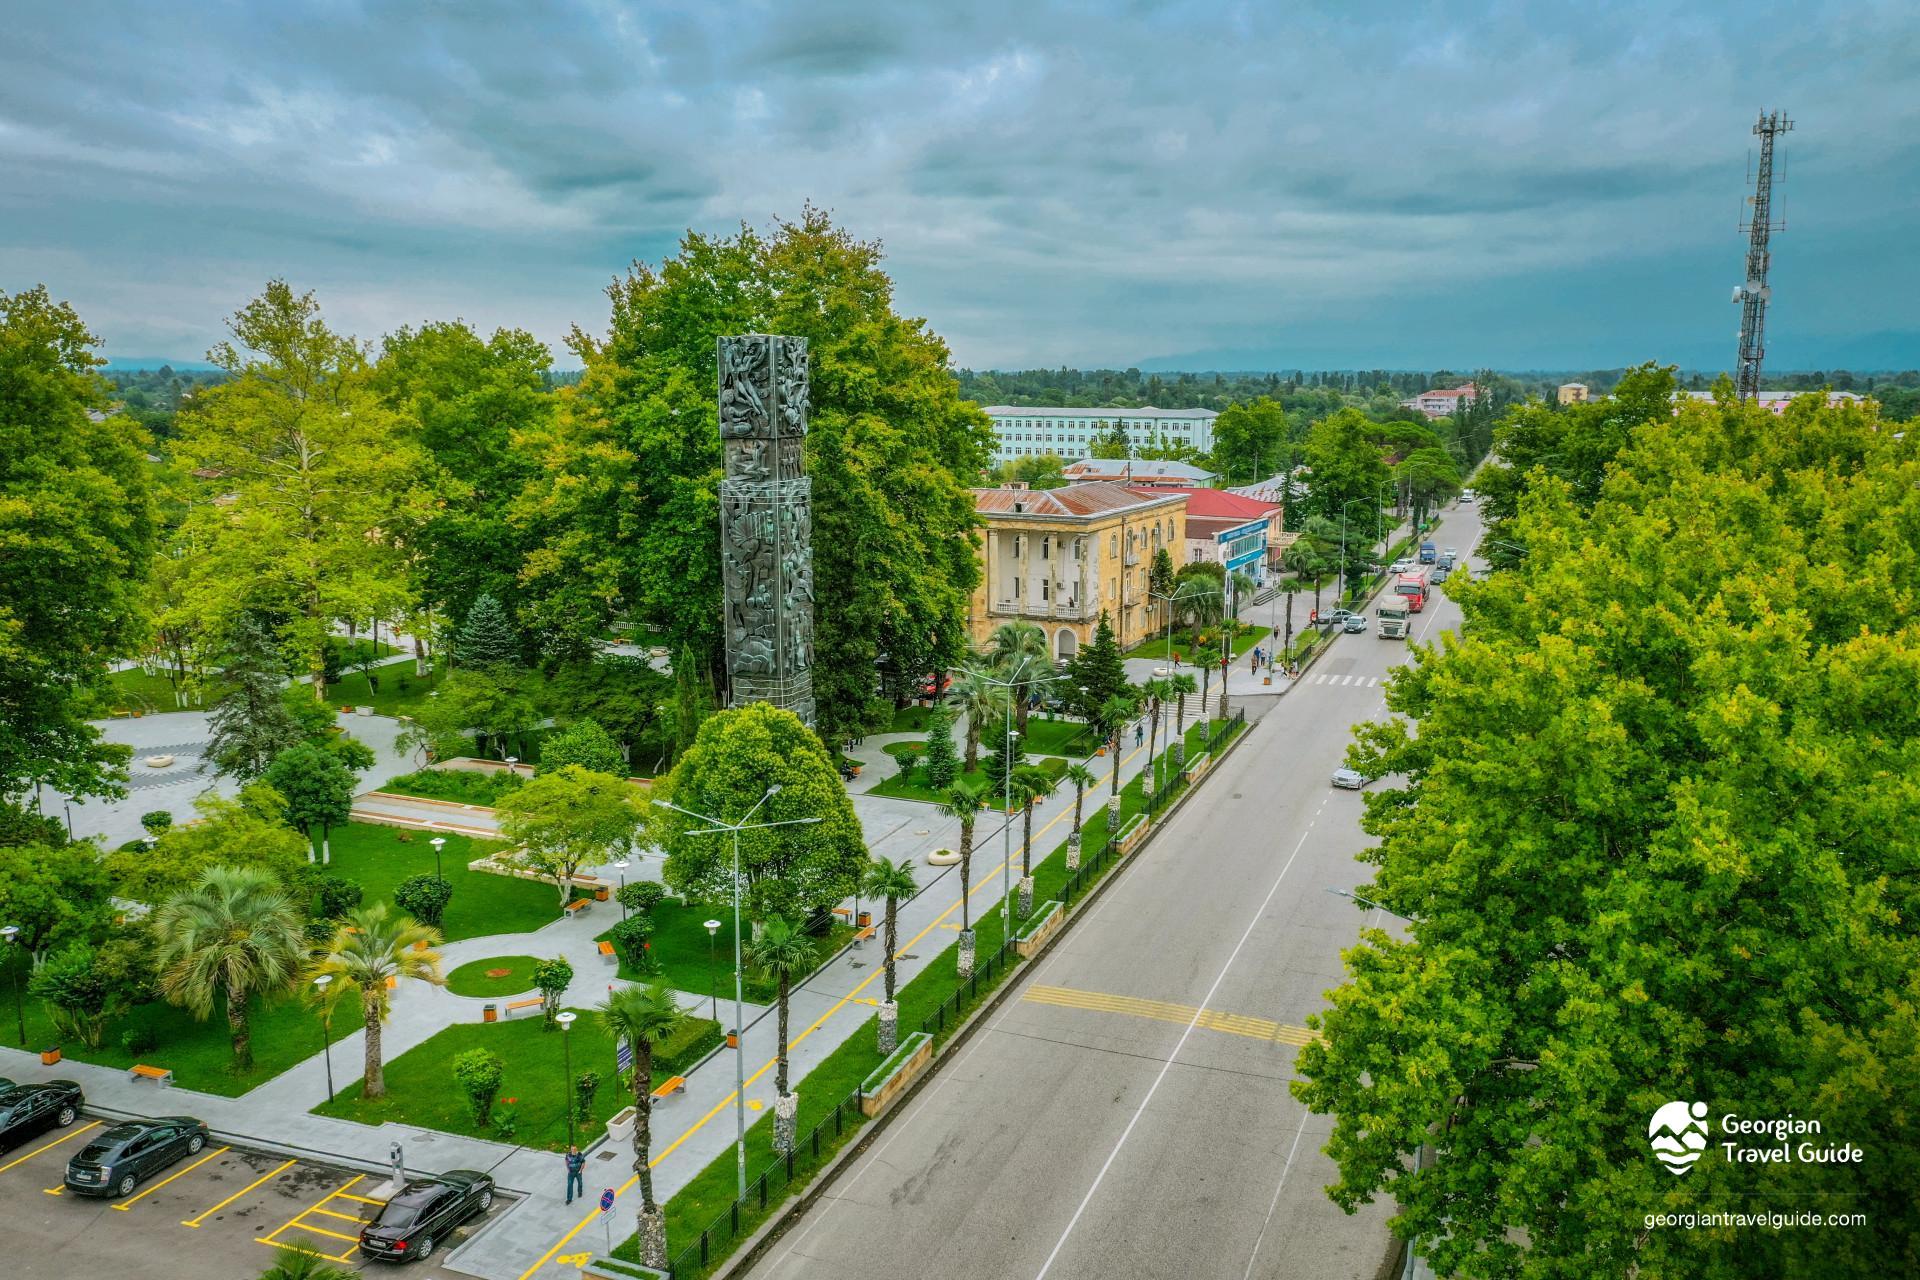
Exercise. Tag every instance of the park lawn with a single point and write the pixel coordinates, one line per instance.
(286, 1031)
(1185, 645)
(910, 719)
(471, 979)
(135, 690)
(378, 858)
(468, 786)
(1060, 738)
(913, 784)
(421, 1089)
(685, 960)
(401, 692)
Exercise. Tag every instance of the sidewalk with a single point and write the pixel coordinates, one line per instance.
(690, 1130)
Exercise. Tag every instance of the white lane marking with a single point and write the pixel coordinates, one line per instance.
(1167, 1066)
(1266, 1222)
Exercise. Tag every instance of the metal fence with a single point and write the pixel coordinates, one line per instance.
(954, 1007)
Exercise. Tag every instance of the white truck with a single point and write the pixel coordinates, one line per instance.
(1393, 617)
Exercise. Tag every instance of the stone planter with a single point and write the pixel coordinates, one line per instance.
(1034, 936)
(888, 1082)
(363, 711)
(602, 1267)
(1134, 834)
(620, 1124)
(942, 858)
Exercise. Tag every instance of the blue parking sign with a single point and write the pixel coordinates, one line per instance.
(606, 1200)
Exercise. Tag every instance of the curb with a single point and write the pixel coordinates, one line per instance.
(777, 1225)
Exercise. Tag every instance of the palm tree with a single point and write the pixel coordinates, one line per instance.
(1081, 777)
(980, 701)
(892, 881)
(1154, 691)
(374, 945)
(644, 1017)
(965, 806)
(298, 1262)
(1030, 786)
(1114, 715)
(1180, 685)
(1010, 642)
(783, 951)
(233, 935)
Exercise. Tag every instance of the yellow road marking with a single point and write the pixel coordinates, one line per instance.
(54, 1191)
(350, 1217)
(1160, 1010)
(128, 1203)
(50, 1146)
(294, 1221)
(362, 1199)
(984, 883)
(320, 1231)
(198, 1218)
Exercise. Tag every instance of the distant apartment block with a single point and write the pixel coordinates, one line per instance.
(1777, 401)
(1442, 404)
(1021, 431)
(1171, 475)
(1574, 393)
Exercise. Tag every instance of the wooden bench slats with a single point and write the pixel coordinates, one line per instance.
(676, 1084)
(606, 948)
(140, 1071)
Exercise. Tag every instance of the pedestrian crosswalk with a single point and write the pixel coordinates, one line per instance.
(1358, 682)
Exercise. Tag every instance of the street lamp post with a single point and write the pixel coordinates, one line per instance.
(11, 934)
(1011, 683)
(566, 1050)
(621, 866)
(716, 827)
(438, 843)
(713, 968)
(320, 985)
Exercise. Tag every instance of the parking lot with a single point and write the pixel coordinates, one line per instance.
(213, 1216)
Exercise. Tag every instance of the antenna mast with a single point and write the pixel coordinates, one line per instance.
(1753, 293)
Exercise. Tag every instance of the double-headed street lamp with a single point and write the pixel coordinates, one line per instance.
(716, 827)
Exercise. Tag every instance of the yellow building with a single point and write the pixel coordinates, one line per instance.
(1573, 393)
(1060, 557)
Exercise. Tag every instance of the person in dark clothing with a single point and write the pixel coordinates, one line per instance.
(576, 1168)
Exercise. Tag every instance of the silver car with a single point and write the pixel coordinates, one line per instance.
(1355, 623)
(1351, 779)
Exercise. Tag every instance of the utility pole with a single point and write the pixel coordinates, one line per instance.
(1752, 293)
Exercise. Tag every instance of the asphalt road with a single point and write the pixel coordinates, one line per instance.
(1126, 1112)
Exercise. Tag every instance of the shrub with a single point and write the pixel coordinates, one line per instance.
(156, 822)
(478, 1073)
(138, 1040)
(506, 1123)
(552, 977)
(642, 895)
(583, 1090)
(320, 933)
(468, 786)
(586, 744)
(337, 895)
(84, 985)
(943, 763)
(424, 898)
(629, 939)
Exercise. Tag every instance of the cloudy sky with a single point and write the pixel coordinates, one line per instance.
(1188, 185)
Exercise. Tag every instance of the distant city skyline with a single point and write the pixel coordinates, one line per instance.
(1186, 186)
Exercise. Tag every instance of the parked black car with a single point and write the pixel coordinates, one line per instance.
(27, 1109)
(127, 1154)
(424, 1213)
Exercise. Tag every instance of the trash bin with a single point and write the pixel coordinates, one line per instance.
(490, 1013)
(866, 920)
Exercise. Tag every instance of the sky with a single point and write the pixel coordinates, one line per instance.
(1206, 185)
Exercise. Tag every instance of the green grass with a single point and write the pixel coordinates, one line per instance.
(421, 1089)
(913, 784)
(471, 979)
(468, 786)
(1187, 645)
(379, 858)
(687, 960)
(1059, 738)
(135, 690)
(911, 719)
(286, 1031)
(401, 692)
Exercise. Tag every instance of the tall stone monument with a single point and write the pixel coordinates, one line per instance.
(766, 522)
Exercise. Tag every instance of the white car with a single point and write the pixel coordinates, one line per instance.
(1350, 779)
(1400, 566)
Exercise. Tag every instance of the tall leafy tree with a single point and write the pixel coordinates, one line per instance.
(625, 696)
(1096, 674)
(586, 744)
(76, 535)
(1347, 455)
(1654, 842)
(234, 935)
(1019, 653)
(982, 702)
(569, 819)
(375, 946)
(486, 637)
(307, 481)
(1250, 440)
(626, 504)
(790, 870)
(318, 789)
(248, 830)
(54, 894)
(1427, 476)
(964, 806)
(250, 724)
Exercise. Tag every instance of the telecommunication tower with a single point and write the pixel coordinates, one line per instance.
(1752, 294)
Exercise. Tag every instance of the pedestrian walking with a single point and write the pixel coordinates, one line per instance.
(1140, 733)
(576, 1171)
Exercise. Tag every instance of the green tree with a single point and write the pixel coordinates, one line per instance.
(1428, 477)
(1653, 842)
(485, 638)
(552, 978)
(570, 819)
(85, 986)
(586, 744)
(892, 882)
(644, 1017)
(246, 830)
(1347, 455)
(424, 898)
(1249, 440)
(1029, 786)
(493, 705)
(376, 945)
(941, 761)
(1110, 443)
(1018, 651)
(479, 1073)
(790, 870)
(250, 724)
(318, 790)
(54, 894)
(1160, 578)
(234, 935)
(626, 499)
(297, 1262)
(77, 528)
(1081, 777)
(1096, 674)
(785, 952)
(312, 473)
(964, 806)
(623, 695)
(981, 701)
(1039, 471)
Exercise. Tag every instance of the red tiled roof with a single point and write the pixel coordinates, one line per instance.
(1217, 503)
(1094, 498)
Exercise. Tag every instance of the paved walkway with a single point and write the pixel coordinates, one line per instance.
(690, 1130)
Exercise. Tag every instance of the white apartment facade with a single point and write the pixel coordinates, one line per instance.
(1022, 431)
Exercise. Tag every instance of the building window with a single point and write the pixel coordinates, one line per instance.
(1043, 589)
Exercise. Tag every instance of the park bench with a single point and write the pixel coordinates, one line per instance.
(533, 1003)
(159, 1075)
(678, 1084)
(606, 949)
(578, 905)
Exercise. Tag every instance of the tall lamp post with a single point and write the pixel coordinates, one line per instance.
(713, 968)
(320, 985)
(621, 866)
(566, 1050)
(11, 934)
(438, 843)
(1011, 683)
(716, 827)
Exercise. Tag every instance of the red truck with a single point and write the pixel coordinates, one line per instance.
(1414, 587)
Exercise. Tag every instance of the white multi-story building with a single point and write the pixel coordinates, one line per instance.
(1022, 431)
(1441, 404)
